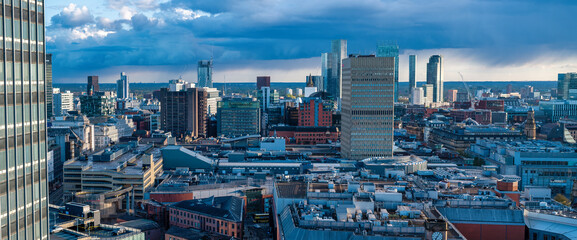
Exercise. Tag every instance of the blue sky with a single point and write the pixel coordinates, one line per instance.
(158, 40)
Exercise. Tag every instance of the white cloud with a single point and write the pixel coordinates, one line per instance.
(126, 12)
(187, 14)
(88, 32)
(73, 16)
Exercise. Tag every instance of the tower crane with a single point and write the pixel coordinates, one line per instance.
(468, 91)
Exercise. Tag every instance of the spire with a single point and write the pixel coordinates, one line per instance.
(310, 82)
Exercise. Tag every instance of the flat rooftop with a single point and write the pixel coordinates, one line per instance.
(129, 160)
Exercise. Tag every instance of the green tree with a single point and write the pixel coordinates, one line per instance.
(478, 162)
(562, 199)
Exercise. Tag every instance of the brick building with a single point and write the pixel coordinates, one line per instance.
(183, 111)
(220, 215)
(496, 105)
(313, 112)
(306, 135)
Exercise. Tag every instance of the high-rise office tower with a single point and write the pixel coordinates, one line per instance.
(367, 107)
(49, 97)
(262, 81)
(204, 73)
(212, 98)
(331, 67)
(326, 70)
(412, 72)
(391, 49)
(183, 110)
(92, 85)
(435, 76)
(122, 87)
(565, 83)
(238, 117)
(63, 101)
(23, 147)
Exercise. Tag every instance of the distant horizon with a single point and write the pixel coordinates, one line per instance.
(151, 39)
(471, 81)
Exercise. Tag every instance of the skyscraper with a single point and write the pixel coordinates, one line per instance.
(391, 49)
(331, 67)
(122, 87)
(326, 70)
(262, 81)
(204, 73)
(49, 97)
(183, 110)
(435, 76)
(23, 155)
(412, 72)
(92, 85)
(367, 106)
(565, 83)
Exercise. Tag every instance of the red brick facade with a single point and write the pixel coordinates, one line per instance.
(186, 219)
(314, 113)
(491, 231)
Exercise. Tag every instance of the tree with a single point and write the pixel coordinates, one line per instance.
(478, 162)
(562, 199)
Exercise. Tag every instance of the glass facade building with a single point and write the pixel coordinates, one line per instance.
(23, 165)
(391, 49)
(204, 73)
(49, 97)
(435, 77)
(412, 72)
(123, 87)
(565, 83)
(238, 117)
(331, 64)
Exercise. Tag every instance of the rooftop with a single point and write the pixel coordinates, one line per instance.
(229, 207)
(127, 163)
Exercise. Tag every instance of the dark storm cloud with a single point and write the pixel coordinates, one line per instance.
(184, 31)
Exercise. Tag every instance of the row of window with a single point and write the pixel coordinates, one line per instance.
(21, 56)
(20, 98)
(22, 14)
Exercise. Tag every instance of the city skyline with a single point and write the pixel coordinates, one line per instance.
(89, 38)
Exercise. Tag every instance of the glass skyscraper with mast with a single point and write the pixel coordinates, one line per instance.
(204, 73)
(23, 168)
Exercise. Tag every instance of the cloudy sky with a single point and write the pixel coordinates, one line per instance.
(158, 40)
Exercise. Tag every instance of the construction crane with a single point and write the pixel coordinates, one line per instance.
(468, 91)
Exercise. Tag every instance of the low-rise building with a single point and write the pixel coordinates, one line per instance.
(115, 168)
(221, 215)
(105, 134)
(459, 138)
(306, 135)
(537, 162)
